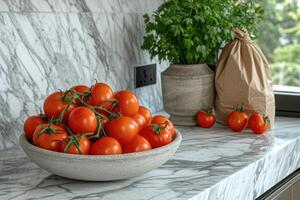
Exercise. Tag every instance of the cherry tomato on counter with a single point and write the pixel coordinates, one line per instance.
(237, 120)
(205, 119)
(259, 123)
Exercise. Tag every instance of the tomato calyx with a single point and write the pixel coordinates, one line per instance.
(266, 118)
(44, 130)
(158, 128)
(75, 141)
(239, 108)
(65, 97)
(47, 129)
(207, 111)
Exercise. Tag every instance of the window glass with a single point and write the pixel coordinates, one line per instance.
(279, 39)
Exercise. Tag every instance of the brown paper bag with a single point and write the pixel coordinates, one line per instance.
(243, 77)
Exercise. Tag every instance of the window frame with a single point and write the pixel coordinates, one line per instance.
(287, 103)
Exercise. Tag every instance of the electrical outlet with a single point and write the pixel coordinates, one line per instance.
(145, 75)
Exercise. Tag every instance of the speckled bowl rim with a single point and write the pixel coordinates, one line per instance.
(174, 144)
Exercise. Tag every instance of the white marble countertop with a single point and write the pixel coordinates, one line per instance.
(210, 164)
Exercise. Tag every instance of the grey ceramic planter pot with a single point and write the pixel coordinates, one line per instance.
(187, 89)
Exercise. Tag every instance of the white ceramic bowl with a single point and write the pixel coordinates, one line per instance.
(100, 167)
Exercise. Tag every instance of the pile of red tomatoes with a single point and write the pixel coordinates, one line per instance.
(95, 120)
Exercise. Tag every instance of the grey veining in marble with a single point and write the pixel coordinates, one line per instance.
(49, 45)
(95, 6)
(210, 164)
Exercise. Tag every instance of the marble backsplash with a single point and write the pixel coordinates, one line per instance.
(47, 45)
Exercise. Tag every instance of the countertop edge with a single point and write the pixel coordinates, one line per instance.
(258, 177)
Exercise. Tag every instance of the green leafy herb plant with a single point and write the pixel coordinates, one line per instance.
(192, 31)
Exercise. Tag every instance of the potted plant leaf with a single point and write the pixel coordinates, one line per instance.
(188, 34)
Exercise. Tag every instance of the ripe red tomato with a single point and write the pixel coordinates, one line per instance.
(82, 120)
(139, 143)
(81, 88)
(160, 119)
(54, 105)
(237, 121)
(51, 138)
(156, 138)
(205, 119)
(123, 129)
(101, 92)
(258, 123)
(106, 146)
(30, 125)
(140, 120)
(84, 145)
(146, 114)
(128, 103)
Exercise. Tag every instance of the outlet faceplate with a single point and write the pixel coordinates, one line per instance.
(145, 75)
